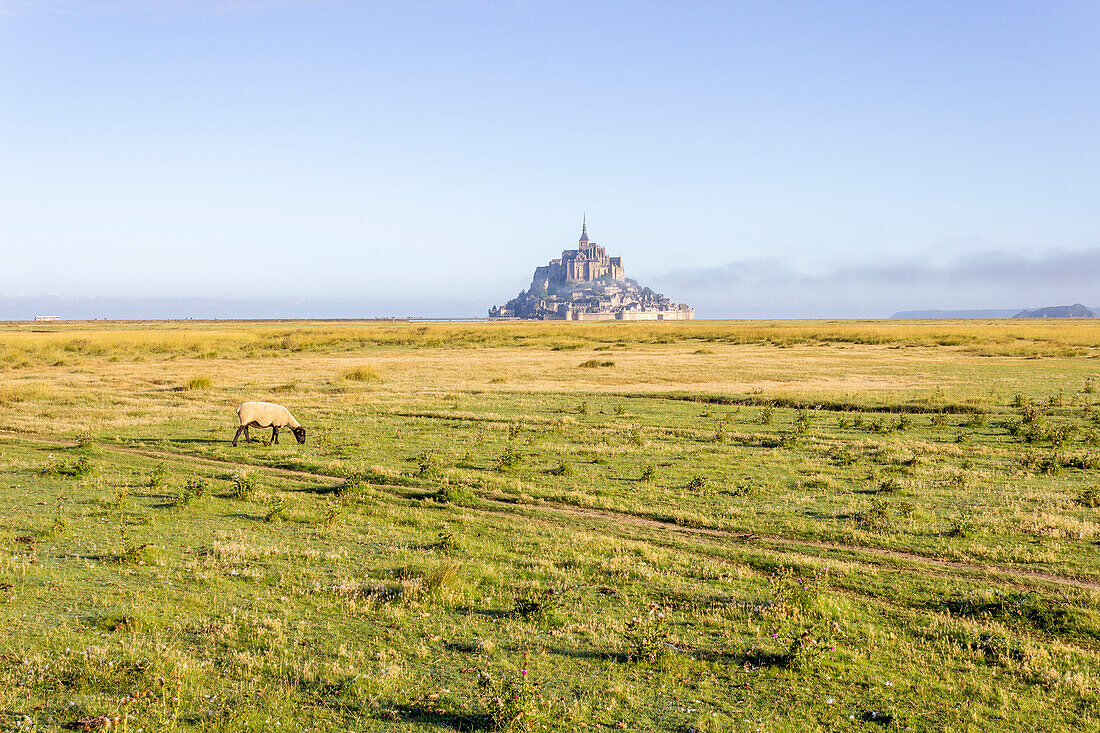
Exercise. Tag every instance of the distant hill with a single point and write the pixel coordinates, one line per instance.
(988, 313)
(1059, 311)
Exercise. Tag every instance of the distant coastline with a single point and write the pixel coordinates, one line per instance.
(949, 314)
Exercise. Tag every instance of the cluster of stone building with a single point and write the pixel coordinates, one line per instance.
(585, 284)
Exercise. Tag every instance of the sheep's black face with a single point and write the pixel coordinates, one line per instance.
(300, 434)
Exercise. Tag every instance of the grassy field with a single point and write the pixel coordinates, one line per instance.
(704, 526)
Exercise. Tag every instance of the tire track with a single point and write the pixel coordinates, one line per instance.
(620, 518)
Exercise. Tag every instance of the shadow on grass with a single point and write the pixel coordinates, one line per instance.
(751, 657)
(425, 714)
(486, 612)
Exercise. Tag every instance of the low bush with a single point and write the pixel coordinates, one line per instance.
(159, 477)
(1089, 497)
(194, 489)
(646, 635)
(510, 458)
(875, 518)
(244, 486)
(564, 469)
(361, 373)
(510, 701)
(535, 604)
(595, 364)
(277, 514)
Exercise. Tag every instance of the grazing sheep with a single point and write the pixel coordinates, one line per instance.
(267, 415)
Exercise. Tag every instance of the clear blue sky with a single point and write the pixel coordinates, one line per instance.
(755, 158)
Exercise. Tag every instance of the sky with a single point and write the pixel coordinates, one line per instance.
(339, 158)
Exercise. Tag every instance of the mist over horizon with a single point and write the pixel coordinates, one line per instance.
(990, 280)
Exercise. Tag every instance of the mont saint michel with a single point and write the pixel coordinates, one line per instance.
(585, 284)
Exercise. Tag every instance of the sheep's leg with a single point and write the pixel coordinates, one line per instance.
(248, 438)
(275, 434)
(243, 428)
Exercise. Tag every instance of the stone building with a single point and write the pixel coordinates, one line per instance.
(589, 261)
(585, 284)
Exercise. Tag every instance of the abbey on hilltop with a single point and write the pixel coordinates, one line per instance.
(588, 285)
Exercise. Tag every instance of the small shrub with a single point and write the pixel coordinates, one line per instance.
(135, 554)
(903, 424)
(595, 364)
(456, 494)
(277, 514)
(564, 469)
(427, 463)
(646, 636)
(938, 420)
(767, 415)
(876, 518)
(976, 420)
(620, 410)
(59, 526)
(159, 477)
(350, 488)
(1048, 464)
(82, 467)
(121, 496)
(535, 604)
(331, 514)
(803, 644)
(361, 373)
(198, 383)
(510, 701)
(446, 541)
(698, 482)
(514, 430)
(802, 421)
(843, 455)
(510, 458)
(963, 437)
(194, 489)
(636, 436)
(788, 440)
(1059, 435)
(889, 486)
(245, 486)
(1030, 413)
(1089, 496)
(794, 593)
(960, 528)
(582, 408)
(649, 472)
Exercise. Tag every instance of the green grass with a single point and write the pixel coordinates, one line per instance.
(786, 534)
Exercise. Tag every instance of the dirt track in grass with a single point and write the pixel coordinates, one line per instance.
(990, 571)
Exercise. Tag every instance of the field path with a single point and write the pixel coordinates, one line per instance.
(621, 518)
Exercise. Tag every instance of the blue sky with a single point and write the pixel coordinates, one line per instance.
(752, 158)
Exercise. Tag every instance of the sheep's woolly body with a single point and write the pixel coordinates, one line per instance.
(266, 415)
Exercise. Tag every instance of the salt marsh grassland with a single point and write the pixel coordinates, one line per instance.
(699, 526)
